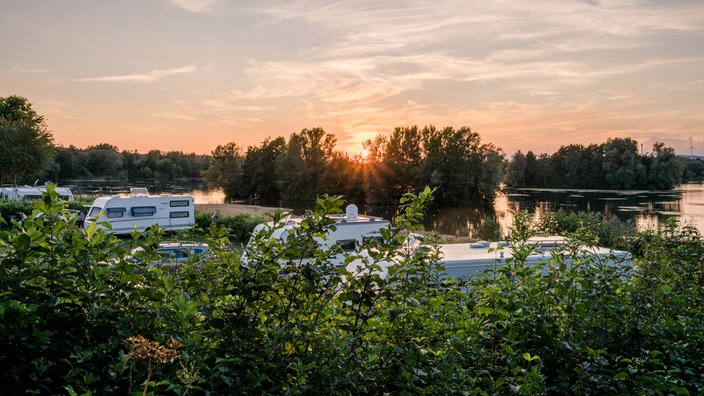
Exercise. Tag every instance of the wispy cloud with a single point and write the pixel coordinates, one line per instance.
(21, 69)
(150, 76)
(174, 116)
(197, 6)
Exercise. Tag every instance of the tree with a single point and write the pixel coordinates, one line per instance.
(459, 166)
(403, 161)
(664, 168)
(225, 170)
(372, 171)
(259, 170)
(622, 166)
(516, 172)
(26, 146)
(103, 160)
(301, 169)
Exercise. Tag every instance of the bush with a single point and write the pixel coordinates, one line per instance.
(239, 226)
(79, 316)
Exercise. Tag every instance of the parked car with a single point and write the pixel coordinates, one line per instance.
(174, 254)
(66, 215)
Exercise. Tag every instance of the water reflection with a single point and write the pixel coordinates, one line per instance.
(648, 209)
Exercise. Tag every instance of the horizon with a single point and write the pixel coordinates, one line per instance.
(189, 75)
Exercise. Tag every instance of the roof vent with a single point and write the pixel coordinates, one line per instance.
(351, 211)
(139, 191)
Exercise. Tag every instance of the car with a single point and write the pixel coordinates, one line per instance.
(66, 215)
(174, 254)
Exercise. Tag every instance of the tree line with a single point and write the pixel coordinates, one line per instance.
(455, 161)
(106, 161)
(463, 169)
(616, 164)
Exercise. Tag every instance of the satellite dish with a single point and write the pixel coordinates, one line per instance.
(351, 211)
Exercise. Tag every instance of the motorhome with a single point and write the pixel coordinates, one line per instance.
(463, 260)
(32, 193)
(460, 260)
(350, 231)
(139, 211)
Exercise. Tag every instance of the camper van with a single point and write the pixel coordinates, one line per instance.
(140, 211)
(350, 231)
(32, 193)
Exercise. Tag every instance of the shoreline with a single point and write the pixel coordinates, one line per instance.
(235, 209)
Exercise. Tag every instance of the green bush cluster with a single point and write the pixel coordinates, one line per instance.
(603, 230)
(79, 316)
(239, 226)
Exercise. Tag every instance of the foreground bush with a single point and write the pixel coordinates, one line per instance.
(78, 316)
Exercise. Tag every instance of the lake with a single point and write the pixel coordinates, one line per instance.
(648, 209)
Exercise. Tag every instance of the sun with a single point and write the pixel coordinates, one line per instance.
(364, 154)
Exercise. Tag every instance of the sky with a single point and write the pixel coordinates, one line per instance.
(189, 75)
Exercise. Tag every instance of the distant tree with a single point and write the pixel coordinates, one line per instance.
(373, 172)
(301, 169)
(516, 170)
(343, 177)
(68, 163)
(403, 161)
(621, 164)
(693, 169)
(533, 178)
(664, 168)
(26, 146)
(590, 167)
(259, 169)
(491, 173)
(462, 169)
(132, 164)
(225, 170)
(103, 160)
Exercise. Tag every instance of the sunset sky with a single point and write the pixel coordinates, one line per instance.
(188, 75)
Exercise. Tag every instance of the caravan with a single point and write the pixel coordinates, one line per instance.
(140, 211)
(32, 193)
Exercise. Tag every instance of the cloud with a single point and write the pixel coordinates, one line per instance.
(174, 116)
(150, 76)
(21, 69)
(197, 6)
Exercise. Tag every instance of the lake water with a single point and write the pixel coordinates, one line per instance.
(648, 209)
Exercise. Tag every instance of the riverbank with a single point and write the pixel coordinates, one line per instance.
(235, 209)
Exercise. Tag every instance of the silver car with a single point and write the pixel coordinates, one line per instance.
(174, 254)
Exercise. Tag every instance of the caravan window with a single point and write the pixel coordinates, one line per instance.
(178, 215)
(115, 212)
(179, 203)
(143, 211)
(347, 245)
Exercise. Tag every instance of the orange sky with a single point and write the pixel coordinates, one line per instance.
(187, 75)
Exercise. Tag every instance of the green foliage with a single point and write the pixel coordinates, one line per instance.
(26, 146)
(239, 227)
(615, 164)
(105, 161)
(489, 230)
(78, 315)
(602, 230)
(225, 171)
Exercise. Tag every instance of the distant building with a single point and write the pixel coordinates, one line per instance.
(687, 156)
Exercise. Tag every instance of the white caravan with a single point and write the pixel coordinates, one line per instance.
(350, 232)
(460, 260)
(463, 260)
(140, 211)
(32, 193)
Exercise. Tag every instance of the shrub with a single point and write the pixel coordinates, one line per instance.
(79, 316)
(239, 226)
